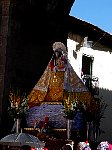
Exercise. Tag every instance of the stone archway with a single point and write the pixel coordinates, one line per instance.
(31, 29)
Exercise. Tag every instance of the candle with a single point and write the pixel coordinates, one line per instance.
(68, 100)
(71, 106)
(16, 105)
(11, 104)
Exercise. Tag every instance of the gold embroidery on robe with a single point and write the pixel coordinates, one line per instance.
(48, 88)
(58, 81)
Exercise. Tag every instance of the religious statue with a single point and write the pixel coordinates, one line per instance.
(58, 86)
(50, 85)
(58, 79)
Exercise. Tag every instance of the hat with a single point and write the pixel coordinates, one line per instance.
(104, 145)
(59, 46)
(84, 146)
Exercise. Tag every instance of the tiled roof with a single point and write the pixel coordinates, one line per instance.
(94, 33)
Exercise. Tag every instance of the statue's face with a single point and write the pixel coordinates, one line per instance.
(57, 54)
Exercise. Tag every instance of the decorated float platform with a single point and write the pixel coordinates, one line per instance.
(60, 108)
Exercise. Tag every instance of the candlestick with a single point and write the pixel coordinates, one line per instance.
(71, 106)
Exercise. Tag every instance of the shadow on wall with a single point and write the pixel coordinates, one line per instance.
(105, 126)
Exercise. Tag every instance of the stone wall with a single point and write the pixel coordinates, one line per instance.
(27, 31)
(4, 18)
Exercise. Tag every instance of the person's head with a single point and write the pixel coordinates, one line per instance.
(83, 146)
(104, 145)
(66, 147)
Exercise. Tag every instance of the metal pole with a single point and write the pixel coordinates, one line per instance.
(17, 125)
(68, 129)
(87, 131)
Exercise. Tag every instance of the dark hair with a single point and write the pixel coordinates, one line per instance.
(26, 147)
(59, 54)
(66, 147)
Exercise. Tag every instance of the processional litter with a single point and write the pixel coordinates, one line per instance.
(60, 84)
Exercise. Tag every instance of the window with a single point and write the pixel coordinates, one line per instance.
(87, 71)
(87, 62)
(91, 82)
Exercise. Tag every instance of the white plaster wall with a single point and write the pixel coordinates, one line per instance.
(103, 70)
(76, 63)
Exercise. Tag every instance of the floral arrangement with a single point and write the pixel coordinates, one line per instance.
(72, 107)
(100, 107)
(18, 104)
(83, 114)
(42, 125)
(69, 108)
